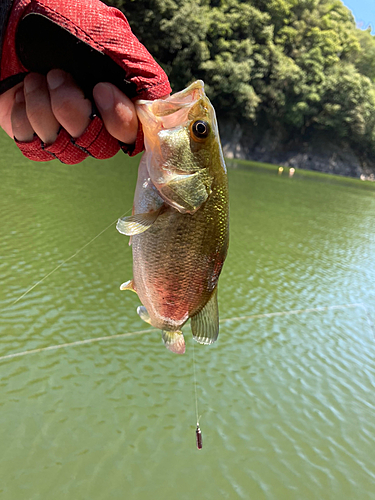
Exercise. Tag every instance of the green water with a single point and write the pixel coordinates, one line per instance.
(287, 400)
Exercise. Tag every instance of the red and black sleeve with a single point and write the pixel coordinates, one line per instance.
(91, 41)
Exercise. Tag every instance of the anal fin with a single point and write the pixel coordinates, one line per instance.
(143, 314)
(205, 324)
(174, 341)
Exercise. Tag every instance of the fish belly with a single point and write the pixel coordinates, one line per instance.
(176, 266)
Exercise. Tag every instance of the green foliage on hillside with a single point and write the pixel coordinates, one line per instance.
(297, 64)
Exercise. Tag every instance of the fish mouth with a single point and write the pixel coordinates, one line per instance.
(186, 97)
(167, 113)
(170, 113)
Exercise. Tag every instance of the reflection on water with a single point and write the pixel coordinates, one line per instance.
(287, 400)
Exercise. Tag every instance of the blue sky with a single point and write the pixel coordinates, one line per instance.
(364, 12)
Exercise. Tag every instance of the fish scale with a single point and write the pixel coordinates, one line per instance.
(163, 253)
(180, 221)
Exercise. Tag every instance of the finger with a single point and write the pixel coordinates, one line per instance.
(21, 127)
(117, 111)
(68, 102)
(6, 106)
(38, 108)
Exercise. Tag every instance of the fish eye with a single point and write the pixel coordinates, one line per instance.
(200, 129)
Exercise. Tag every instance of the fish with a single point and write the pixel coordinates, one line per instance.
(179, 227)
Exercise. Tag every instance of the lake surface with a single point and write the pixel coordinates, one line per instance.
(287, 394)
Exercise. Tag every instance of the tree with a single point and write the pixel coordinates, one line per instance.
(299, 65)
(365, 62)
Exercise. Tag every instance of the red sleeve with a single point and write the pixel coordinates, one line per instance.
(81, 37)
(105, 29)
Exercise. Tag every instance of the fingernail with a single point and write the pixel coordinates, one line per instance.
(55, 78)
(103, 96)
(32, 82)
(20, 96)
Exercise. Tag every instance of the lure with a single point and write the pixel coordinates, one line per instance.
(198, 435)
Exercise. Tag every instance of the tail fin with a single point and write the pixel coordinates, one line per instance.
(174, 341)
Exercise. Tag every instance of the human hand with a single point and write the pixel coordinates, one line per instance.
(93, 43)
(41, 105)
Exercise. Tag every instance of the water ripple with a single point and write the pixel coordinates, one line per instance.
(286, 395)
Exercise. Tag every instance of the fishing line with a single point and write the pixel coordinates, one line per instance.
(74, 344)
(369, 319)
(195, 385)
(291, 312)
(64, 262)
(235, 318)
(198, 432)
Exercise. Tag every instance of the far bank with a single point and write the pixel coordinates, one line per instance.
(320, 153)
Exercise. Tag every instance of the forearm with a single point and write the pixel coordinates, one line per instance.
(5, 7)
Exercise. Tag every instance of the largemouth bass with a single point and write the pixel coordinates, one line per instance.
(179, 227)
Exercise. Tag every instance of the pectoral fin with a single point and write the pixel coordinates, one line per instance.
(205, 324)
(187, 192)
(174, 341)
(136, 224)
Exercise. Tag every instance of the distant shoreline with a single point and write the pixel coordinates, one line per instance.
(318, 153)
(234, 163)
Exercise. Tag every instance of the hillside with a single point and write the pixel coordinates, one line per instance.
(291, 80)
